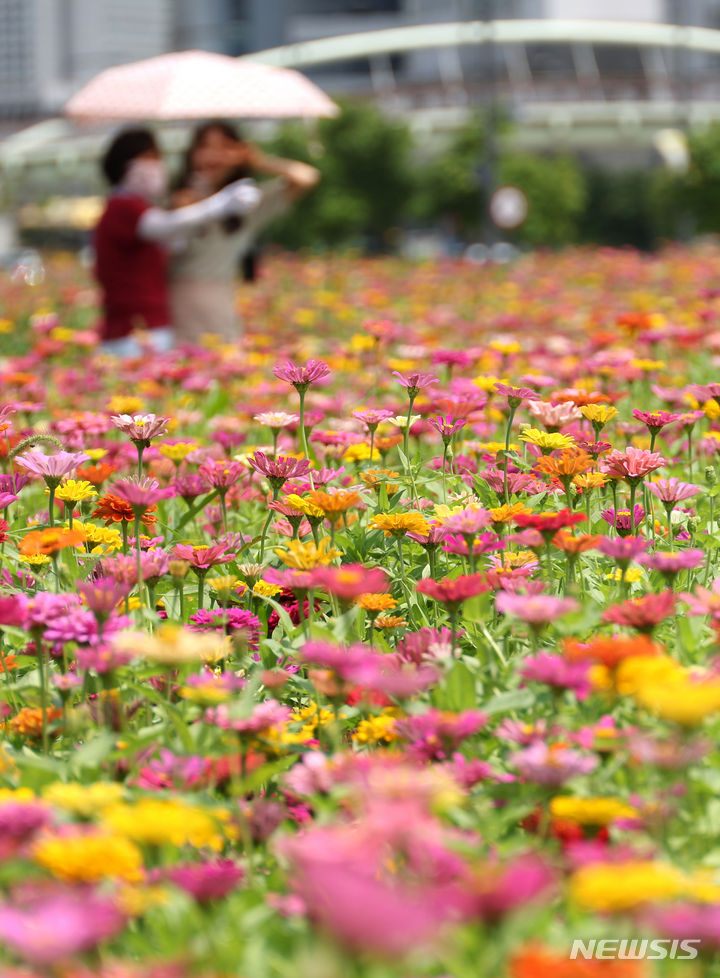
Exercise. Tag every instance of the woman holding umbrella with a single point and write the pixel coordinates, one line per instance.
(204, 265)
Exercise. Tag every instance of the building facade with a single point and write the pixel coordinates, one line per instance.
(49, 48)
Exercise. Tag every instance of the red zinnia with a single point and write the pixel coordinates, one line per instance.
(548, 524)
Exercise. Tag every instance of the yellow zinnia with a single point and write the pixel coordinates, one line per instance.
(306, 556)
(590, 811)
(89, 858)
(546, 441)
(75, 491)
(598, 414)
(398, 524)
(157, 822)
(682, 701)
(613, 887)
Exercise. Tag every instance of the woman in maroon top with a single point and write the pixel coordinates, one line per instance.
(133, 235)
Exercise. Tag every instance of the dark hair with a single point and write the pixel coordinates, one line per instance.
(125, 147)
(230, 224)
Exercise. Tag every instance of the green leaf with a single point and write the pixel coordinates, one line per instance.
(92, 753)
(516, 699)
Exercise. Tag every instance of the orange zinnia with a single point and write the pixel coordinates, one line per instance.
(579, 398)
(113, 509)
(540, 962)
(611, 650)
(50, 541)
(566, 466)
(333, 504)
(575, 545)
(96, 474)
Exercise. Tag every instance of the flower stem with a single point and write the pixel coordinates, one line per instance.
(264, 534)
(633, 490)
(444, 476)
(43, 691)
(138, 561)
(51, 506)
(508, 430)
(669, 507)
(406, 433)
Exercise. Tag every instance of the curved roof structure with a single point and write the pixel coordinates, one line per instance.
(395, 40)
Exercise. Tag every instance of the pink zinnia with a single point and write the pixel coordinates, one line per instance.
(673, 490)
(642, 613)
(656, 420)
(535, 609)
(465, 545)
(622, 519)
(372, 418)
(13, 609)
(414, 383)
(468, 522)
(102, 595)
(58, 925)
(221, 473)
(348, 890)
(265, 715)
(140, 493)
(140, 428)
(209, 881)
(433, 538)
(670, 563)
(302, 377)
(52, 468)
(704, 601)
(281, 468)
(446, 426)
(623, 550)
(388, 674)
(554, 416)
(435, 735)
(551, 766)
(501, 888)
(516, 395)
(453, 591)
(632, 465)
(202, 558)
(349, 580)
(558, 672)
(688, 921)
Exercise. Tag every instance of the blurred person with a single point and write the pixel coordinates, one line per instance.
(204, 268)
(132, 237)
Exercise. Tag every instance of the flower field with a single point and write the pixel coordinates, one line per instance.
(383, 645)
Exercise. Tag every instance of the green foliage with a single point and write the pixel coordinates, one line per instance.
(366, 178)
(701, 187)
(371, 182)
(448, 186)
(556, 193)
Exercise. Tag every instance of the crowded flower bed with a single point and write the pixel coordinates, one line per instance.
(380, 645)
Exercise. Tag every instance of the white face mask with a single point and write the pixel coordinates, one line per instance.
(147, 177)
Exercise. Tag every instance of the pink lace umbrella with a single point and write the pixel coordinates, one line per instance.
(198, 85)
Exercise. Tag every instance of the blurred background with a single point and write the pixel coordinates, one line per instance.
(464, 123)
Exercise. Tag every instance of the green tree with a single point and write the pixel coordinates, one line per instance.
(365, 161)
(448, 185)
(556, 192)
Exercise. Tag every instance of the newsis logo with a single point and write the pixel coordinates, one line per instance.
(635, 949)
